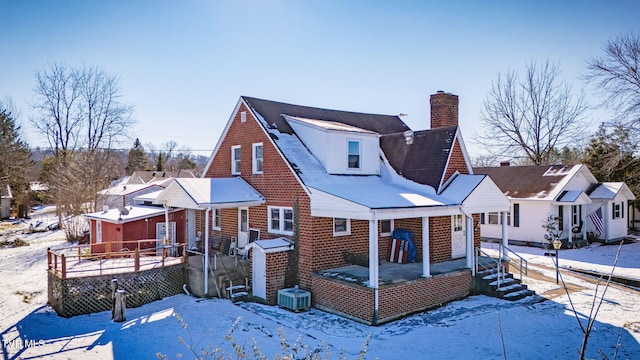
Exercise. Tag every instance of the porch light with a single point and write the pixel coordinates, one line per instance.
(557, 244)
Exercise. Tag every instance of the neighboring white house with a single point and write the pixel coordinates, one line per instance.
(569, 192)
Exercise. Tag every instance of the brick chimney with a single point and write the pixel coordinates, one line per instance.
(444, 109)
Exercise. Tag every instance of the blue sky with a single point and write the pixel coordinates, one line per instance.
(183, 64)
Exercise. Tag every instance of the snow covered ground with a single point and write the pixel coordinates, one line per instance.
(468, 329)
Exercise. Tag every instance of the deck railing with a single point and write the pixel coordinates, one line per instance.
(79, 260)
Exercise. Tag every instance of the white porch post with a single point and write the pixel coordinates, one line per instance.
(426, 257)
(470, 249)
(206, 251)
(505, 236)
(373, 265)
(166, 225)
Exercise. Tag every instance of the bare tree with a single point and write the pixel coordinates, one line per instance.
(528, 116)
(80, 113)
(616, 76)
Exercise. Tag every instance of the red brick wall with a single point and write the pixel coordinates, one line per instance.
(456, 162)
(440, 238)
(277, 269)
(277, 184)
(394, 300)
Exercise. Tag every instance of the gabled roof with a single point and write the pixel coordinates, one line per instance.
(135, 212)
(202, 193)
(272, 111)
(128, 189)
(609, 190)
(530, 182)
(425, 159)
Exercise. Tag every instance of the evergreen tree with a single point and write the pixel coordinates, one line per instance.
(14, 157)
(610, 156)
(137, 158)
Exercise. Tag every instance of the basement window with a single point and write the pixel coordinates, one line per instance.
(341, 227)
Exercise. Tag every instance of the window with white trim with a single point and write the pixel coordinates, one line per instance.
(494, 218)
(217, 219)
(257, 158)
(353, 154)
(280, 220)
(341, 226)
(386, 227)
(235, 160)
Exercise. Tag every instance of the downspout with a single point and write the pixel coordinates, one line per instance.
(505, 236)
(469, 233)
(206, 251)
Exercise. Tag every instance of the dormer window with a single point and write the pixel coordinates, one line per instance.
(354, 154)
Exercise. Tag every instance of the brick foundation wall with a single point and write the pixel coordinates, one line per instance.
(395, 301)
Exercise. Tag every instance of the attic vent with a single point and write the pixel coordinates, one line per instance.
(273, 136)
(243, 116)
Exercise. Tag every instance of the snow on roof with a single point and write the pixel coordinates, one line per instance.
(569, 196)
(272, 245)
(136, 212)
(607, 190)
(125, 189)
(373, 191)
(328, 125)
(219, 191)
(148, 196)
(461, 186)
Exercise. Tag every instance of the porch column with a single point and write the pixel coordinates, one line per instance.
(373, 266)
(505, 236)
(373, 254)
(470, 249)
(206, 251)
(426, 257)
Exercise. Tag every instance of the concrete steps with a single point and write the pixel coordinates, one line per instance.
(507, 287)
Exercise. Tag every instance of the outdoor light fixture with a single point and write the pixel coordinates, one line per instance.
(557, 244)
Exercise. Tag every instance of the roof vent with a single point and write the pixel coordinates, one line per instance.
(408, 137)
(505, 163)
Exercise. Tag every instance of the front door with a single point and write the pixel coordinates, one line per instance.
(243, 227)
(458, 241)
(259, 274)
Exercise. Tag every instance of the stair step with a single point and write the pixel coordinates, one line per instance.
(517, 295)
(505, 282)
(236, 287)
(239, 294)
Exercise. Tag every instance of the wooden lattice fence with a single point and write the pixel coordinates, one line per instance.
(90, 294)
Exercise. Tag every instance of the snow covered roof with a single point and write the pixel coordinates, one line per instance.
(328, 125)
(575, 197)
(148, 196)
(127, 189)
(272, 245)
(199, 193)
(136, 212)
(609, 190)
(541, 182)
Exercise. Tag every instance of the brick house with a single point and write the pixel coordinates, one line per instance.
(338, 184)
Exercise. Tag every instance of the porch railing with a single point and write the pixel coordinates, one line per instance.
(521, 263)
(80, 260)
(485, 261)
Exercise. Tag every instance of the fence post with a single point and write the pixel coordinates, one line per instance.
(136, 263)
(64, 266)
(79, 257)
(49, 258)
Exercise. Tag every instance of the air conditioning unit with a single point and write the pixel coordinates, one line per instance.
(294, 299)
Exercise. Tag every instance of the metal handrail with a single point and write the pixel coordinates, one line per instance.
(498, 265)
(504, 249)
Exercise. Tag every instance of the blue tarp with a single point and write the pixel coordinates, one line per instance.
(406, 235)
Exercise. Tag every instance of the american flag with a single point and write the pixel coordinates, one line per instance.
(596, 219)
